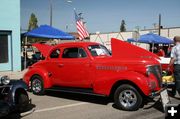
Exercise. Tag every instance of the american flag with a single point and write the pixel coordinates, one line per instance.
(82, 31)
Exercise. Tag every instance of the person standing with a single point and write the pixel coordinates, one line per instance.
(175, 61)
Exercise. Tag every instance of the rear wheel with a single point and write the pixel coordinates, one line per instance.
(37, 86)
(127, 97)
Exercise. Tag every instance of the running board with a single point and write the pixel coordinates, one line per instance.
(85, 91)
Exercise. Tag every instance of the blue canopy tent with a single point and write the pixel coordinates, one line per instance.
(152, 38)
(45, 31)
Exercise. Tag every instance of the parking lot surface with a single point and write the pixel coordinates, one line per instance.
(58, 105)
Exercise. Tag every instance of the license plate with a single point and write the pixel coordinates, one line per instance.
(164, 98)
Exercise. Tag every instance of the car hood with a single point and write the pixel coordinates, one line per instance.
(121, 49)
(43, 48)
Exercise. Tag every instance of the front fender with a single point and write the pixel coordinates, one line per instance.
(38, 71)
(14, 86)
(105, 84)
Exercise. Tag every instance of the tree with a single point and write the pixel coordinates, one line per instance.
(122, 27)
(33, 22)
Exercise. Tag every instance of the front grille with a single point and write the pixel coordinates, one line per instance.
(4, 90)
(157, 71)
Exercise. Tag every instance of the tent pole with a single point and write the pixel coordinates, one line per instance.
(153, 48)
(25, 55)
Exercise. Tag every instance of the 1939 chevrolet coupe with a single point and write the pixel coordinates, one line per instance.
(13, 96)
(129, 74)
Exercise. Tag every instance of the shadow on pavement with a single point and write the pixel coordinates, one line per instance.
(80, 97)
(16, 115)
(177, 98)
(156, 104)
(101, 100)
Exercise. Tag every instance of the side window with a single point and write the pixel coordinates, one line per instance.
(74, 53)
(55, 53)
(82, 53)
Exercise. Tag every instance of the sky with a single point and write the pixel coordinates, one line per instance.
(103, 15)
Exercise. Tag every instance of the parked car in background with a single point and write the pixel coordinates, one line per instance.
(129, 74)
(13, 96)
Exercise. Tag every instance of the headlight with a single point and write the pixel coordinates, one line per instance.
(154, 73)
(4, 80)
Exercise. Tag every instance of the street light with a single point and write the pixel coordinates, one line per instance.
(69, 1)
(51, 12)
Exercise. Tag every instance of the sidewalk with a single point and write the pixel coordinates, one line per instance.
(14, 75)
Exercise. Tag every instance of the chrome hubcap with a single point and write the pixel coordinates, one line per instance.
(36, 85)
(127, 98)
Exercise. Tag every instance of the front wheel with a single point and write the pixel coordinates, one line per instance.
(22, 101)
(37, 86)
(127, 98)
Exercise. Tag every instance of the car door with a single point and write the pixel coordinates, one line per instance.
(52, 66)
(74, 68)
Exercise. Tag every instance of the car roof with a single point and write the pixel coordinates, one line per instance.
(82, 43)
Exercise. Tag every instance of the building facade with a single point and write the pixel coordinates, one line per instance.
(105, 38)
(10, 57)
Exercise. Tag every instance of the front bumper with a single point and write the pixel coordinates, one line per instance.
(4, 108)
(156, 93)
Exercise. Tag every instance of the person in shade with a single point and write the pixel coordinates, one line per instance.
(161, 52)
(175, 62)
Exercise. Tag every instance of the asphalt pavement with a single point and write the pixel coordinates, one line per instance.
(59, 105)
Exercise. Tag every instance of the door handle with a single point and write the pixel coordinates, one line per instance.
(60, 65)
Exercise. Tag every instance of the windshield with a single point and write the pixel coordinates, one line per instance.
(97, 50)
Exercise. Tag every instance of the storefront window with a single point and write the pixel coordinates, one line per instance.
(3, 48)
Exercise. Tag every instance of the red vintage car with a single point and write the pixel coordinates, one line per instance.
(128, 74)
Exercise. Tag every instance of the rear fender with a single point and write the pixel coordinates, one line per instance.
(104, 86)
(38, 71)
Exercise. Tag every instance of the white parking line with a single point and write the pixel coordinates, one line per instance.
(60, 107)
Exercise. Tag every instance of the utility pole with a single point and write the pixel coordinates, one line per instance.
(50, 12)
(159, 28)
